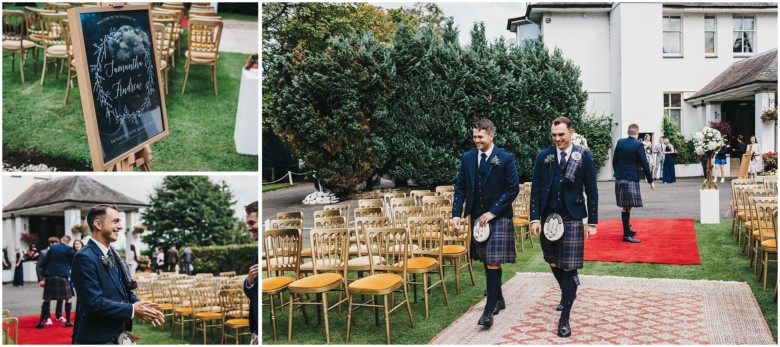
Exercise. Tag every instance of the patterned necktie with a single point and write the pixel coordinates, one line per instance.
(483, 164)
(563, 159)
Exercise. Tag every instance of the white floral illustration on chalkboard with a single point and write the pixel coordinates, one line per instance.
(122, 44)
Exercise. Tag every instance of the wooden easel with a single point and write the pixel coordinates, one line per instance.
(140, 159)
(744, 164)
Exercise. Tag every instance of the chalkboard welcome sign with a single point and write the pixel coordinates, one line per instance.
(120, 84)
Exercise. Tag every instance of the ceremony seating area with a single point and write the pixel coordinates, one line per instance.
(754, 222)
(376, 250)
(207, 304)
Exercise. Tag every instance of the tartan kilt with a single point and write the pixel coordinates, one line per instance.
(57, 288)
(627, 193)
(499, 248)
(567, 252)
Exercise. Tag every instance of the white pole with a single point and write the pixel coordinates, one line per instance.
(289, 174)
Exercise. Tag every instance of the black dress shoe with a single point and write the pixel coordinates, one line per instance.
(560, 306)
(500, 305)
(39, 326)
(563, 328)
(68, 324)
(486, 319)
(632, 232)
(484, 293)
(631, 239)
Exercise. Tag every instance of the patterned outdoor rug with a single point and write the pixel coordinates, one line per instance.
(618, 310)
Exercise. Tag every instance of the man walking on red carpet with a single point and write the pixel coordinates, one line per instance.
(627, 161)
(561, 174)
(488, 183)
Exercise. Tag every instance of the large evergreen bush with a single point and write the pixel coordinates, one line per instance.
(684, 148)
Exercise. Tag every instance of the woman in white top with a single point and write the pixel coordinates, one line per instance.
(649, 152)
(756, 162)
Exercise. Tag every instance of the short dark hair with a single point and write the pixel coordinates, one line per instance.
(251, 208)
(633, 129)
(54, 239)
(563, 120)
(486, 125)
(66, 237)
(98, 212)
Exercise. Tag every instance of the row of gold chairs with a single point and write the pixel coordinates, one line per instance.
(204, 301)
(394, 256)
(754, 222)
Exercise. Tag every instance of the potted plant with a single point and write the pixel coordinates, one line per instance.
(139, 229)
(82, 228)
(769, 115)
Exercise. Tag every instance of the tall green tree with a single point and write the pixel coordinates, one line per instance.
(192, 211)
(328, 104)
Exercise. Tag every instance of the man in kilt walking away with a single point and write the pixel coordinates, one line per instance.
(488, 183)
(561, 174)
(56, 285)
(627, 161)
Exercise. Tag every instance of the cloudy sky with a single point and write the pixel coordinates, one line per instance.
(465, 14)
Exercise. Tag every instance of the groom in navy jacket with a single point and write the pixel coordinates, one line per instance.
(561, 174)
(488, 183)
(106, 304)
(628, 161)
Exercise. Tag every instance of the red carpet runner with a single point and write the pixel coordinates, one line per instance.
(55, 334)
(664, 241)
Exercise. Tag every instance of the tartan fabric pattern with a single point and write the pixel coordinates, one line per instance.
(499, 248)
(567, 252)
(572, 165)
(627, 193)
(57, 288)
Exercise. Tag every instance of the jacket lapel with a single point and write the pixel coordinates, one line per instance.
(472, 167)
(496, 150)
(112, 272)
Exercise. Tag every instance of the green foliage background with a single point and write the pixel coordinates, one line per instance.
(216, 259)
(361, 108)
(191, 211)
(684, 148)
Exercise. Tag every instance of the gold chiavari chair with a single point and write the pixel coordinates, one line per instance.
(449, 195)
(738, 214)
(431, 205)
(57, 6)
(388, 244)
(417, 195)
(442, 189)
(426, 237)
(767, 239)
(770, 182)
(344, 209)
(457, 245)
(14, 40)
(162, 31)
(327, 213)
(53, 41)
(362, 203)
(182, 307)
(227, 274)
(387, 197)
(360, 250)
(402, 213)
(204, 302)
(750, 216)
(521, 217)
(329, 223)
(739, 193)
(286, 244)
(162, 297)
(172, 22)
(232, 308)
(329, 257)
(203, 40)
(752, 225)
(289, 215)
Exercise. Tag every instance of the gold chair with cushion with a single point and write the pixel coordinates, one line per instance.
(442, 189)
(285, 244)
(736, 217)
(289, 215)
(748, 196)
(182, 306)
(457, 245)
(329, 259)
(742, 208)
(388, 244)
(417, 195)
(766, 213)
(402, 213)
(232, 309)
(162, 297)
(162, 33)
(426, 235)
(448, 195)
(35, 33)
(432, 204)
(389, 196)
(206, 310)
(14, 40)
(203, 39)
(520, 209)
(343, 209)
(54, 46)
(371, 203)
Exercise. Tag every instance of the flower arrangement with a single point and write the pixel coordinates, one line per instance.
(770, 160)
(579, 140)
(29, 238)
(138, 229)
(549, 159)
(82, 228)
(725, 130)
(769, 115)
(107, 260)
(708, 141)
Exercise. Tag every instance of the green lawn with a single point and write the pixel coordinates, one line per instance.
(159, 336)
(275, 186)
(721, 260)
(201, 124)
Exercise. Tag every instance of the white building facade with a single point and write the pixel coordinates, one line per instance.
(640, 61)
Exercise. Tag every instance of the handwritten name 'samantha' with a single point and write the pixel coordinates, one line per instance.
(112, 69)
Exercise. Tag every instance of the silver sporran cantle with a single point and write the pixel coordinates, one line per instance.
(481, 234)
(125, 338)
(553, 227)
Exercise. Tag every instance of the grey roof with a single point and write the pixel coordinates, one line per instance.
(77, 189)
(759, 69)
(722, 4)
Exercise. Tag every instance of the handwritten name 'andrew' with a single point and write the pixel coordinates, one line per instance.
(112, 69)
(130, 87)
